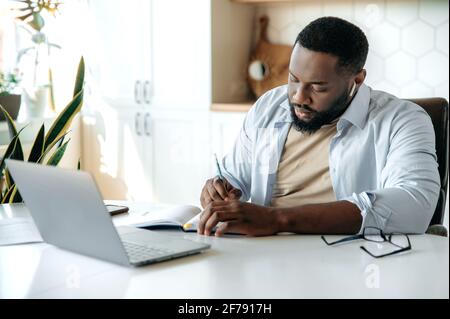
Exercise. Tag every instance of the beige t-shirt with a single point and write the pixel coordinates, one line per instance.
(303, 171)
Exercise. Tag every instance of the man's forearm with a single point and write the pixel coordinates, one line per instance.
(340, 217)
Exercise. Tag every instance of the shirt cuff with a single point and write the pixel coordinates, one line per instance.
(364, 201)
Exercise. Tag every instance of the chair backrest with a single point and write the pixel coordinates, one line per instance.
(437, 108)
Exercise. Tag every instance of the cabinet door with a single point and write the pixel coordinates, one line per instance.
(120, 50)
(181, 47)
(135, 167)
(100, 150)
(179, 148)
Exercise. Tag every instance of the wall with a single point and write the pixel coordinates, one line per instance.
(409, 40)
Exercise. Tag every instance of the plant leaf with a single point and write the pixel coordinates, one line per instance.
(9, 151)
(51, 88)
(63, 121)
(79, 164)
(8, 179)
(38, 146)
(15, 196)
(46, 151)
(79, 82)
(8, 195)
(17, 151)
(57, 156)
(11, 126)
(24, 17)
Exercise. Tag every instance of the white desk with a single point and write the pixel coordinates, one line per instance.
(284, 266)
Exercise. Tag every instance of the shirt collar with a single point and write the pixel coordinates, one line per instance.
(356, 113)
(287, 115)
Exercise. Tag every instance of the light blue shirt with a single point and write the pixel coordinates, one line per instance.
(382, 158)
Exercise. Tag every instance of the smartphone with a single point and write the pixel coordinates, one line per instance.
(116, 209)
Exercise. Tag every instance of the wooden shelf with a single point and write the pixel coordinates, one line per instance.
(232, 107)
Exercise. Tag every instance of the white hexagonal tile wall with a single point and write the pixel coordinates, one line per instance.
(388, 87)
(400, 68)
(375, 68)
(442, 90)
(401, 12)
(280, 15)
(307, 11)
(442, 38)
(434, 12)
(416, 89)
(290, 33)
(433, 68)
(384, 39)
(369, 13)
(418, 38)
(338, 8)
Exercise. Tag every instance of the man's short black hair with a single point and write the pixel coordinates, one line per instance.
(337, 37)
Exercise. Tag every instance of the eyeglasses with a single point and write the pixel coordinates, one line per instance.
(398, 243)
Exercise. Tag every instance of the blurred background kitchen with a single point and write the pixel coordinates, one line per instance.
(168, 82)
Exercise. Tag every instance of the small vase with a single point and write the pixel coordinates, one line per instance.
(11, 103)
(36, 100)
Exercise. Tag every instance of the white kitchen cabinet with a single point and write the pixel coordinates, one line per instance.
(101, 149)
(160, 141)
(181, 155)
(135, 155)
(164, 155)
(119, 54)
(181, 50)
(156, 155)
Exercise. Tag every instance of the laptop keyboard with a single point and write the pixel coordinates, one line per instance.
(138, 253)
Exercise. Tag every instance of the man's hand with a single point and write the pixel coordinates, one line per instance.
(238, 217)
(218, 190)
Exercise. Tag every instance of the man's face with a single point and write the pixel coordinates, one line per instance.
(317, 92)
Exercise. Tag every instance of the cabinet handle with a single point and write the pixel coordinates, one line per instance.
(147, 124)
(136, 124)
(137, 86)
(147, 91)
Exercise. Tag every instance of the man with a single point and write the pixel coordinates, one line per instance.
(326, 154)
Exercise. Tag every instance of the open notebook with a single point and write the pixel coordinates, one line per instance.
(184, 217)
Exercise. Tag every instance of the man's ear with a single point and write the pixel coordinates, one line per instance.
(360, 77)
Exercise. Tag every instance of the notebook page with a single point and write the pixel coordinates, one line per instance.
(18, 231)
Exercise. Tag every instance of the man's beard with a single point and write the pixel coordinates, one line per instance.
(319, 118)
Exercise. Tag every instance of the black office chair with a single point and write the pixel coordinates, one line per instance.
(437, 108)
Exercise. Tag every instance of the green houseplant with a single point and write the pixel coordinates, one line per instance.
(10, 101)
(48, 147)
(32, 13)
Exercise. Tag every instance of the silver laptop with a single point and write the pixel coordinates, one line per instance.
(69, 212)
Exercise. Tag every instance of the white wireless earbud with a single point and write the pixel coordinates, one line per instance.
(353, 89)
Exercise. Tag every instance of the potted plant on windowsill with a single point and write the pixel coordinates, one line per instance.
(10, 101)
(48, 147)
(37, 83)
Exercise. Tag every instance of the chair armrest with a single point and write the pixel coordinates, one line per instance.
(438, 230)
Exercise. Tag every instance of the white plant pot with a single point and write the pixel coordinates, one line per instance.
(36, 101)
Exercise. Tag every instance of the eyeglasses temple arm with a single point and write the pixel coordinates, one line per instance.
(388, 254)
(343, 240)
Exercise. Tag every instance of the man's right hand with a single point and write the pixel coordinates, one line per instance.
(216, 189)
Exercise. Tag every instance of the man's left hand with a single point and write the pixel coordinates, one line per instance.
(238, 217)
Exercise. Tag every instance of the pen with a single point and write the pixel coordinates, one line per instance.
(219, 173)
